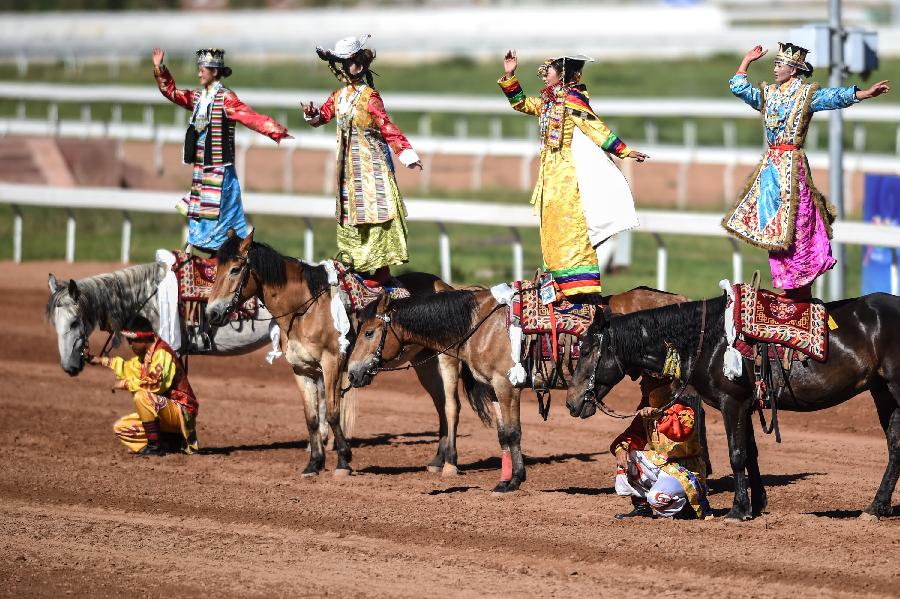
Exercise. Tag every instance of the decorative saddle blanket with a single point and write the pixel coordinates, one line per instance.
(535, 317)
(196, 277)
(359, 293)
(761, 315)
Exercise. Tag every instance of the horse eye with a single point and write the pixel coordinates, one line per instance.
(74, 325)
(235, 270)
(370, 333)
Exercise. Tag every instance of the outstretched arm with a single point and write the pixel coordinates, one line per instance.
(392, 134)
(166, 83)
(261, 123)
(833, 98)
(317, 117)
(597, 131)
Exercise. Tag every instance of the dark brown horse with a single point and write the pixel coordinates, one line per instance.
(469, 325)
(863, 355)
(298, 294)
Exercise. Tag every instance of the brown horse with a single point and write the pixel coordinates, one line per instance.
(298, 295)
(471, 326)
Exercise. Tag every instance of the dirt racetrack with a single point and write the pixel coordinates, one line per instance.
(79, 517)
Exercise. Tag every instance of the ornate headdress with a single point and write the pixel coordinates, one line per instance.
(793, 56)
(139, 328)
(213, 58)
(343, 48)
(577, 60)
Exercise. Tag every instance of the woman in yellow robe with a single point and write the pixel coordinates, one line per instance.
(581, 197)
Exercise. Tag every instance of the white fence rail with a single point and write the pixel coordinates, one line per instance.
(441, 212)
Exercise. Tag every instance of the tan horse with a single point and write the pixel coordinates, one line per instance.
(298, 295)
(471, 326)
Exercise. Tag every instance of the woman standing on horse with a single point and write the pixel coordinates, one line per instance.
(371, 228)
(780, 209)
(214, 203)
(581, 197)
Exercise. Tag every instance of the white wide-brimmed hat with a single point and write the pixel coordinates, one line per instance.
(343, 48)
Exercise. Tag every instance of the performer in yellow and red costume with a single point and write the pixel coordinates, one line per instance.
(164, 401)
(371, 216)
(780, 209)
(659, 460)
(581, 197)
(213, 204)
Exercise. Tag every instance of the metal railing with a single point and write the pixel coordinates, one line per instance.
(442, 212)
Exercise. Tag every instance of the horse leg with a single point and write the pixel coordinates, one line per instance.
(887, 402)
(758, 498)
(429, 375)
(737, 420)
(331, 374)
(449, 368)
(703, 444)
(509, 432)
(309, 389)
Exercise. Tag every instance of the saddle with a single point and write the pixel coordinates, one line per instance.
(359, 293)
(196, 277)
(774, 332)
(551, 333)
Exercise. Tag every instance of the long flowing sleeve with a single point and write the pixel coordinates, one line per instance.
(833, 98)
(597, 131)
(326, 113)
(633, 439)
(166, 84)
(261, 123)
(742, 88)
(517, 98)
(390, 132)
(156, 378)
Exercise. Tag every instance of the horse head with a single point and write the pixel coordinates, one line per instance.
(376, 343)
(598, 369)
(235, 283)
(72, 329)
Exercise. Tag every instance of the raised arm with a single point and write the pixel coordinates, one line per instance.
(509, 83)
(740, 85)
(261, 123)
(391, 133)
(166, 83)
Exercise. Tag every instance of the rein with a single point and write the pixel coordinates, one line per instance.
(600, 405)
(386, 319)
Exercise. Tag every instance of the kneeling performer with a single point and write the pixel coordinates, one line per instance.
(659, 461)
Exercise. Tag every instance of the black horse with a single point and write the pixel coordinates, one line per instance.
(863, 355)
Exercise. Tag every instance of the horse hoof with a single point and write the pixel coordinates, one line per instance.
(310, 473)
(433, 469)
(501, 488)
(449, 470)
(867, 517)
(341, 472)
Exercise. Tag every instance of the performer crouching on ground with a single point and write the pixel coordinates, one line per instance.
(371, 228)
(214, 202)
(780, 209)
(581, 197)
(659, 461)
(163, 399)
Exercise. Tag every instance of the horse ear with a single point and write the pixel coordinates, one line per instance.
(74, 292)
(53, 283)
(246, 243)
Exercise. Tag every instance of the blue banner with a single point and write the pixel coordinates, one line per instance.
(881, 207)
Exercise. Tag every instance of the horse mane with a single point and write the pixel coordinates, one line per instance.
(444, 317)
(269, 264)
(679, 324)
(109, 298)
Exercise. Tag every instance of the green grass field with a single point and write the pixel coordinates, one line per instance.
(480, 255)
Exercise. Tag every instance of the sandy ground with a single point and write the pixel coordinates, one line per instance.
(79, 517)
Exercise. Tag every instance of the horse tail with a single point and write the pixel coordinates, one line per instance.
(480, 395)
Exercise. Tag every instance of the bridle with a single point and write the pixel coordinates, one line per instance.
(590, 392)
(239, 290)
